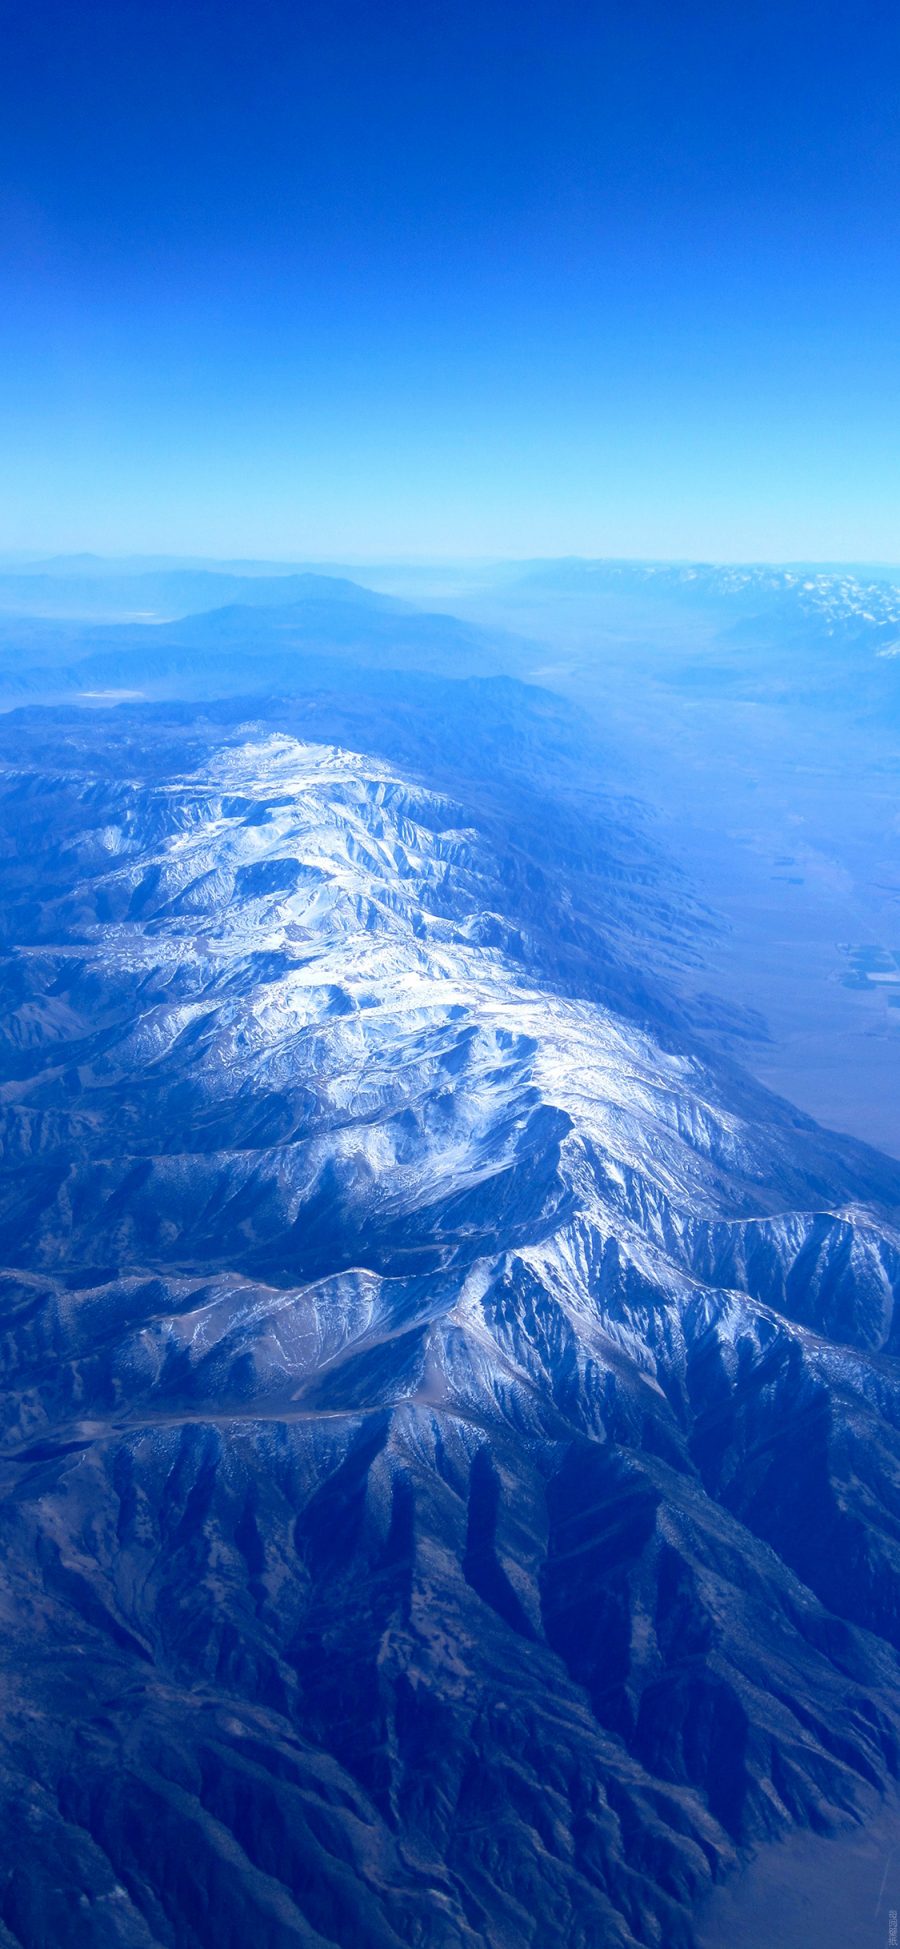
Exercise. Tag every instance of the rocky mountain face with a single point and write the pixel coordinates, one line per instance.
(451, 1428)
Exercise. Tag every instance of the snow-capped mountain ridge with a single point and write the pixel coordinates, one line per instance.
(831, 602)
(407, 1353)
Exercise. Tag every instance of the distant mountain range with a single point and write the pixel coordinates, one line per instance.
(165, 593)
(244, 645)
(234, 634)
(806, 598)
(805, 601)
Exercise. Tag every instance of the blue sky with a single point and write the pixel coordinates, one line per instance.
(345, 280)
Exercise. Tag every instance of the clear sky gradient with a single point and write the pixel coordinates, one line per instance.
(348, 280)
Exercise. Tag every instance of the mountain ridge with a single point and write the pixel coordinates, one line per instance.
(451, 1430)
